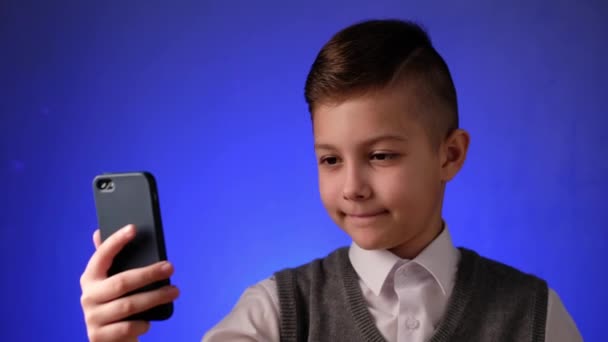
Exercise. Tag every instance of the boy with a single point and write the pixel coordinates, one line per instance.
(387, 140)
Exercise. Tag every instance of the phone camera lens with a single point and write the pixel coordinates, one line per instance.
(105, 184)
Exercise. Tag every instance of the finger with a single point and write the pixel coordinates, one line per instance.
(120, 284)
(124, 307)
(96, 238)
(126, 331)
(100, 262)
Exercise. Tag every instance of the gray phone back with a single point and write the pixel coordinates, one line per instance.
(132, 198)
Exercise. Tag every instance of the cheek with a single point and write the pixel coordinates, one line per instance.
(407, 189)
(328, 190)
(395, 190)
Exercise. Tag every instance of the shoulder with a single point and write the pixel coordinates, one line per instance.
(517, 287)
(316, 274)
(560, 324)
(333, 259)
(502, 280)
(497, 270)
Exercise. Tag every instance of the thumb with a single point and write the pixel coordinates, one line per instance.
(96, 238)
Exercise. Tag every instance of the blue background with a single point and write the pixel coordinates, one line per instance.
(209, 97)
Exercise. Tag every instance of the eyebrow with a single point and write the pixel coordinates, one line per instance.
(374, 140)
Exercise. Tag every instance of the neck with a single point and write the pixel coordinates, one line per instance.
(412, 247)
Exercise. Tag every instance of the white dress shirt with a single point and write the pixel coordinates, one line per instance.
(406, 298)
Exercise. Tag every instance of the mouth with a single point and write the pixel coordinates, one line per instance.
(363, 218)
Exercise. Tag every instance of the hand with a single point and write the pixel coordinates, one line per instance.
(102, 301)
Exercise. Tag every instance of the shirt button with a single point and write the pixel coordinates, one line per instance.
(412, 323)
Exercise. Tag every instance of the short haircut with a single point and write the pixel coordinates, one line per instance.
(378, 54)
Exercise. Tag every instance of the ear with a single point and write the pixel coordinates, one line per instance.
(453, 152)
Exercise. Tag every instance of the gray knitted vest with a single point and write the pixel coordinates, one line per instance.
(322, 301)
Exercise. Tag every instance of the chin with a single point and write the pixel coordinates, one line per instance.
(369, 241)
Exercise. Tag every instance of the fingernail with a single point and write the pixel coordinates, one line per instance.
(128, 229)
(166, 266)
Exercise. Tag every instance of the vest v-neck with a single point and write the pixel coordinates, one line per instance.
(456, 305)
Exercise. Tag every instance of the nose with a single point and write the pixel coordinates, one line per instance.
(356, 186)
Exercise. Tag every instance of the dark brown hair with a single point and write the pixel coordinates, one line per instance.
(374, 55)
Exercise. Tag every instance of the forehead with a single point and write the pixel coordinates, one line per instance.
(364, 117)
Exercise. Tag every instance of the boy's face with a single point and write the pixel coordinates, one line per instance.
(380, 179)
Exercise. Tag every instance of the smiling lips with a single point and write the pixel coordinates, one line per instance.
(363, 218)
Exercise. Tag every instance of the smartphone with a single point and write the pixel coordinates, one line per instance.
(132, 198)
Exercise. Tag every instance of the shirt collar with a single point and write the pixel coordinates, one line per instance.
(439, 258)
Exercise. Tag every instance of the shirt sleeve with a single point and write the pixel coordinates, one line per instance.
(560, 326)
(255, 317)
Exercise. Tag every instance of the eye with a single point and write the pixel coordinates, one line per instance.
(382, 156)
(329, 160)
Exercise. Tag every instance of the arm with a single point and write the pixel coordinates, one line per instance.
(560, 326)
(255, 317)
